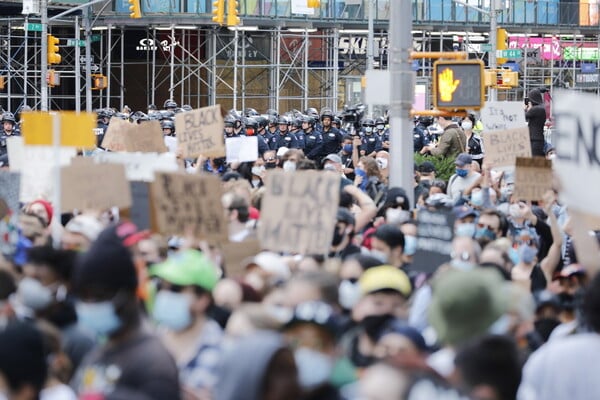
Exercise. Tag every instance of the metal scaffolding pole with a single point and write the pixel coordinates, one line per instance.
(109, 45)
(278, 69)
(235, 69)
(122, 83)
(77, 66)
(88, 59)
(336, 71)
(26, 63)
(44, 55)
(172, 77)
(306, 83)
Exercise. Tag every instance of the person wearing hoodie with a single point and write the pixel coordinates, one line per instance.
(535, 114)
(258, 367)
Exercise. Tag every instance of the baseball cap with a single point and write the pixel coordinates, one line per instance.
(85, 225)
(396, 197)
(427, 167)
(271, 263)
(385, 277)
(187, 268)
(461, 212)
(463, 159)
(281, 151)
(333, 158)
(570, 270)
(314, 312)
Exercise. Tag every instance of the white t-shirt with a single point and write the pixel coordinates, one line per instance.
(564, 369)
(457, 185)
(58, 392)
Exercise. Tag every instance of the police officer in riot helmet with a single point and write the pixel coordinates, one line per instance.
(383, 132)
(420, 136)
(229, 124)
(262, 131)
(285, 138)
(251, 112)
(273, 112)
(252, 130)
(370, 142)
(331, 139)
(312, 137)
(170, 105)
(238, 126)
(9, 125)
(168, 127)
(296, 130)
(273, 126)
(186, 108)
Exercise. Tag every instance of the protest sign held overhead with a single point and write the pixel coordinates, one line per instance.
(139, 213)
(235, 253)
(200, 132)
(75, 129)
(182, 203)
(577, 142)
(242, 149)
(85, 186)
(503, 147)
(140, 166)
(302, 211)
(533, 178)
(434, 239)
(502, 115)
(145, 137)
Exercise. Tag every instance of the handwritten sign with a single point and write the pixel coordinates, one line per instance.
(577, 142)
(533, 178)
(503, 147)
(502, 115)
(181, 202)
(10, 186)
(37, 165)
(235, 253)
(146, 137)
(200, 132)
(241, 149)
(85, 186)
(139, 166)
(434, 239)
(302, 212)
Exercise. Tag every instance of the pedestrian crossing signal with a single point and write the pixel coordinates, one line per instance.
(458, 84)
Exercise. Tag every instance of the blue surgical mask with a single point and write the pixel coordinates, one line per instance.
(477, 198)
(513, 255)
(527, 253)
(410, 245)
(32, 294)
(348, 148)
(100, 317)
(461, 172)
(485, 233)
(172, 310)
(314, 367)
(368, 129)
(380, 255)
(465, 230)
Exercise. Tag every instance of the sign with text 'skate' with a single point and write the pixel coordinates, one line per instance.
(576, 138)
(302, 212)
(183, 203)
(503, 147)
(200, 132)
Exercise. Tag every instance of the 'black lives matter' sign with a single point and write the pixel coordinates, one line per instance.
(435, 231)
(200, 132)
(299, 211)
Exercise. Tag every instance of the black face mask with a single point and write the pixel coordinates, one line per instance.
(270, 165)
(337, 237)
(545, 326)
(374, 325)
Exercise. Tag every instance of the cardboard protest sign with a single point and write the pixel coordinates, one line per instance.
(241, 149)
(182, 202)
(146, 137)
(503, 147)
(200, 132)
(85, 186)
(502, 115)
(139, 213)
(533, 178)
(139, 166)
(37, 170)
(576, 138)
(435, 231)
(235, 253)
(302, 211)
(10, 187)
(586, 244)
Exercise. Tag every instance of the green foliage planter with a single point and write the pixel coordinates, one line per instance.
(444, 166)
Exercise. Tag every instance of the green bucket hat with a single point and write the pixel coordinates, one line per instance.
(187, 268)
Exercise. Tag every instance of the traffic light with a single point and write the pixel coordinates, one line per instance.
(99, 82)
(135, 9)
(2, 82)
(53, 56)
(219, 12)
(52, 78)
(313, 3)
(232, 13)
(458, 84)
(501, 78)
(501, 43)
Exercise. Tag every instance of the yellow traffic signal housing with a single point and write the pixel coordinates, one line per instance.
(458, 84)
(501, 43)
(53, 50)
(2, 82)
(99, 82)
(313, 3)
(232, 13)
(510, 78)
(501, 78)
(219, 12)
(135, 9)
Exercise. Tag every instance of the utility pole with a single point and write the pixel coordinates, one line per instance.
(402, 95)
(370, 45)
(493, 93)
(44, 55)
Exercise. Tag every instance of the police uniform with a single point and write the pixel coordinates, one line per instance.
(370, 143)
(313, 139)
(300, 138)
(286, 140)
(332, 143)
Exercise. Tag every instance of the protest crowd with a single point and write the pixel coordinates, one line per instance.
(297, 271)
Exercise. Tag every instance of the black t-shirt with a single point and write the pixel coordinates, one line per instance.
(140, 368)
(538, 280)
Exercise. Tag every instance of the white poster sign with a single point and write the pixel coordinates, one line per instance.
(503, 115)
(241, 149)
(140, 166)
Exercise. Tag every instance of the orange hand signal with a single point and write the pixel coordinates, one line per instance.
(447, 84)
